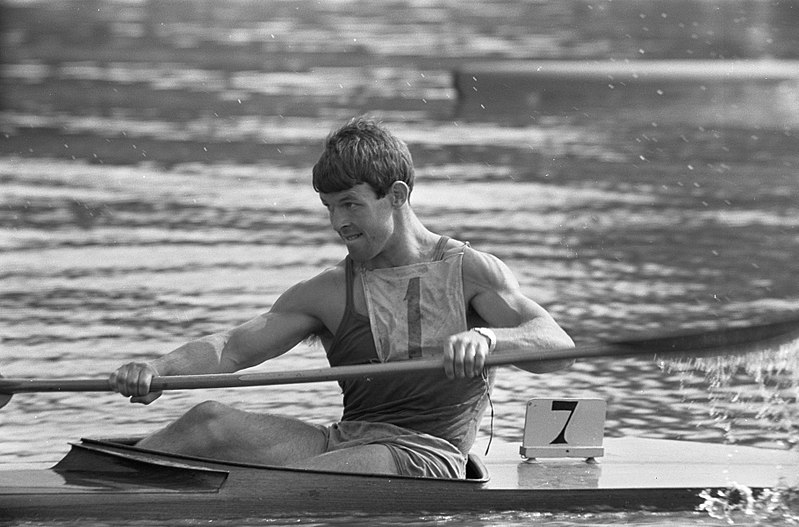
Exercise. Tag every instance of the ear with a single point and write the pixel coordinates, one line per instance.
(399, 194)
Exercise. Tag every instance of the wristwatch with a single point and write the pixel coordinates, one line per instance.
(487, 333)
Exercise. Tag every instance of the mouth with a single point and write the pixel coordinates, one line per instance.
(349, 238)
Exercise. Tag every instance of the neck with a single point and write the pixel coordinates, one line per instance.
(411, 243)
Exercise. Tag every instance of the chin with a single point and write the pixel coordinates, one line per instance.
(358, 256)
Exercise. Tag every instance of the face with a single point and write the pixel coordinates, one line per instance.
(364, 222)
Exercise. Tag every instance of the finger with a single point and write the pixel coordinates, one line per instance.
(120, 378)
(480, 360)
(461, 350)
(131, 380)
(449, 354)
(143, 380)
(469, 352)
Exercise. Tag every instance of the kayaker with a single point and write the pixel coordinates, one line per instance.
(402, 292)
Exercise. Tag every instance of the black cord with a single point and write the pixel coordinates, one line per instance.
(491, 405)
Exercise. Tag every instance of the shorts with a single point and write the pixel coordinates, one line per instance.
(415, 454)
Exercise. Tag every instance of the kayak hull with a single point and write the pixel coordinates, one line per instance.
(108, 479)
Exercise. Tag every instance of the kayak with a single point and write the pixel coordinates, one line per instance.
(112, 478)
(564, 462)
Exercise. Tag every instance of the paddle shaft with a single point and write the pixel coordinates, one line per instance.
(727, 341)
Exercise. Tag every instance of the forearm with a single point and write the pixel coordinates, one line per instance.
(257, 340)
(202, 356)
(251, 343)
(538, 335)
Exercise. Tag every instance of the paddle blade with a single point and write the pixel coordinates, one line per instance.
(4, 397)
(725, 341)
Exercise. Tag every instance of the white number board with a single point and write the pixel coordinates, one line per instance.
(564, 428)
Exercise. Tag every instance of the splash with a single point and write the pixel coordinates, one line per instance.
(751, 396)
(778, 506)
(749, 393)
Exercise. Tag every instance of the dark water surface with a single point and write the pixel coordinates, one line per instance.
(150, 194)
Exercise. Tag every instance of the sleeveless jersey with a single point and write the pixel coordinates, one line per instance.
(412, 309)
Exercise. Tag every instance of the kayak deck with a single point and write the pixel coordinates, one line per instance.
(633, 462)
(106, 479)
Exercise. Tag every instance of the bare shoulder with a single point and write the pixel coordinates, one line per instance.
(322, 296)
(483, 270)
(491, 289)
(307, 294)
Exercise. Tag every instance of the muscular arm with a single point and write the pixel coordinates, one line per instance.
(290, 320)
(262, 338)
(518, 322)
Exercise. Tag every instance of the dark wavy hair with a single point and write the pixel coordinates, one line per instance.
(362, 151)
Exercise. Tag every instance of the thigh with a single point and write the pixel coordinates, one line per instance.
(266, 438)
(365, 459)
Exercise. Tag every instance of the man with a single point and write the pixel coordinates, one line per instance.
(402, 292)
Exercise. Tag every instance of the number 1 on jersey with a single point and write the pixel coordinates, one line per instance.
(413, 297)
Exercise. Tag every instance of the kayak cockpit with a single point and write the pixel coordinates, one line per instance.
(118, 459)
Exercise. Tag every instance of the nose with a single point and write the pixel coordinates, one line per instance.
(338, 218)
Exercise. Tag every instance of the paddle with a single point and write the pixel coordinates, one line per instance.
(717, 342)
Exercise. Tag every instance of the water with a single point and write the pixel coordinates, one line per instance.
(152, 198)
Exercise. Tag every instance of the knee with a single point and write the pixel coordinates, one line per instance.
(206, 421)
(208, 411)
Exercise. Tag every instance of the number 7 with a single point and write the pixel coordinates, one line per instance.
(563, 406)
